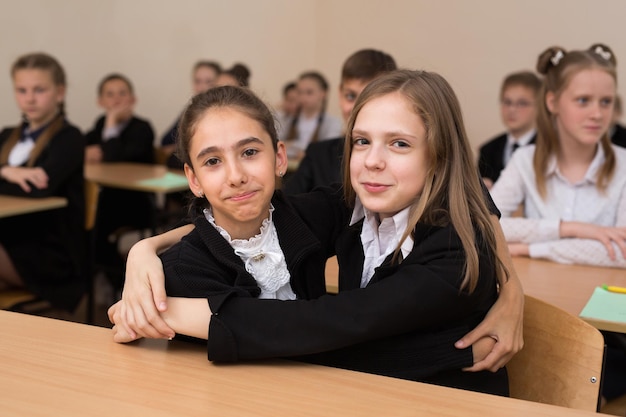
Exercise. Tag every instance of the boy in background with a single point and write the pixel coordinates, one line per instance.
(518, 109)
(119, 136)
(321, 164)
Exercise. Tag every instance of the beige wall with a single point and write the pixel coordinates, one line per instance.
(155, 42)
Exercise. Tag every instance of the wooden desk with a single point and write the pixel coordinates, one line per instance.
(56, 368)
(131, 176)
(568, 286)
(13, 206)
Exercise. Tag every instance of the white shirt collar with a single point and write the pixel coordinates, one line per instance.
(591, 176)
(263, 258)
(522, 140)
(380, 239)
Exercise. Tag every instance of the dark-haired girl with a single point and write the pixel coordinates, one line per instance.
(312, 123)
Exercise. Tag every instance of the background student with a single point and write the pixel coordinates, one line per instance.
(238, 75)
(288, 107)
(43, 156)
(572, 164)
(203, 76)
(400, 284)
(312, 123)
(321, 164)
(518, 109)
(119, 136)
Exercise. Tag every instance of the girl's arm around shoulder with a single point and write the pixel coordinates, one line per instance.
(421, 293)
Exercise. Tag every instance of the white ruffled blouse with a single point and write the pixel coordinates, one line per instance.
(263, 258)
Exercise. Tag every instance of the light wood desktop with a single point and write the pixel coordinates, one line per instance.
(131, 176)
(13, 206)
(568, 286)
(57, 368)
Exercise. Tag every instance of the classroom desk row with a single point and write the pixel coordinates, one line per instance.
(58, 368)
(13, 206)
(125, 175)
(568, 286)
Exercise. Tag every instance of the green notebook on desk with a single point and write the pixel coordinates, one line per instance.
(605, 305)
(169, 180)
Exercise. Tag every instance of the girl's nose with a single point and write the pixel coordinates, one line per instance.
(236, 174)
(374, 159)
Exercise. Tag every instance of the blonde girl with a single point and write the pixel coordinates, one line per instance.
(572, 183)
(40, 157)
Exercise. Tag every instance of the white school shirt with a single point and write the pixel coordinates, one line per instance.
(330, 128)
(511, 142)
(380, 239)
(263, 258)
(564, 201)
(113, 131)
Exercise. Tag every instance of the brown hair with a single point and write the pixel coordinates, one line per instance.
(558, 67)
(208, 64)
(367, 64)
(44, 62)
(239, 72)
(452, 192)
(115, 76)
(526, 79)
(238, 98)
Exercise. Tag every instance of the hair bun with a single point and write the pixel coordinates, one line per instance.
(603, 51)
(550, 58)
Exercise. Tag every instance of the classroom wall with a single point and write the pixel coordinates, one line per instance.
(156, 42)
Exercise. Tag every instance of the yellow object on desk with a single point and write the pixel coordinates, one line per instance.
(613, 288)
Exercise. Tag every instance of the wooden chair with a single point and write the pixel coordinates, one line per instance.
(22, 300)
(562, 359)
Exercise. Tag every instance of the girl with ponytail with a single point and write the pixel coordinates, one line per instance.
(311, 123)
(572, 183)
(41, 157)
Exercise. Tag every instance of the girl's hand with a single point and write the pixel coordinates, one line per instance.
(118, 114)
(26, 177)
(504, 322)
(120, 336)
(93, 154)
(481, 349)
(504, 326)
(120, 333)
(519, 249)
(143, 297)
(606, 235)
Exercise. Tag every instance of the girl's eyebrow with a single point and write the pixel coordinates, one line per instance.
(390, 133)
(240, 144)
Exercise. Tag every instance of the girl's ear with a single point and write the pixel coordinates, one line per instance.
(551, 102)
(194, 184)
(60, 94)
(281, 159)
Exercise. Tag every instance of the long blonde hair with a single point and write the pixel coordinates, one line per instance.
(452, 192)
(559, 67)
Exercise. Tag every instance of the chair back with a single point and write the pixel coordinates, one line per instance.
(561, 362)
